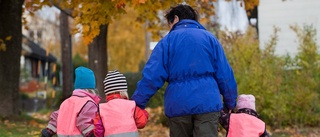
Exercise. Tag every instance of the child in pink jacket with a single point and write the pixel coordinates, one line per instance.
(245, 122)
(79, 114)
(120, 116)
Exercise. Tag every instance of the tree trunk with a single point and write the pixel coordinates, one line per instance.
(66, 56)
(10, 25)
(98, 58)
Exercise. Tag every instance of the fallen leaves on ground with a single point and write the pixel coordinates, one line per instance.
(154, 128)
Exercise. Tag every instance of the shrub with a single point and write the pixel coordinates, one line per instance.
(286, 88)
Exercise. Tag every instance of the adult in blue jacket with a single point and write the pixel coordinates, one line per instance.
(193, 63)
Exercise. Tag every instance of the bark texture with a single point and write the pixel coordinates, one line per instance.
(10, 25)
(66, 56)
(98, 58)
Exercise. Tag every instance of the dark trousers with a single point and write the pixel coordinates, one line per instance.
(200, 125)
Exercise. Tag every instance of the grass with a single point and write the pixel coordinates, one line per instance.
(21, 126)
(297, 132)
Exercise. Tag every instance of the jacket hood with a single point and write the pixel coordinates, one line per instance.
(80, 92)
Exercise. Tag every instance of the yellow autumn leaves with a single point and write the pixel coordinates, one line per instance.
(3, 43)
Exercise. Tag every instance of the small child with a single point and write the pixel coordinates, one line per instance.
(120, 116)
(245, 122)
(78, 115)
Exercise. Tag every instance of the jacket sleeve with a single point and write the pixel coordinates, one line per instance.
(154, 75)
(52, 125)
(265, 134)
(85, 120)
(224, 76)
(141, 117)
(98, 126)
(224, 119)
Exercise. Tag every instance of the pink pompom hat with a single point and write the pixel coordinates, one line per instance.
(246, 101)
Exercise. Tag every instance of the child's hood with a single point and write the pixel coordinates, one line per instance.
(81, 92)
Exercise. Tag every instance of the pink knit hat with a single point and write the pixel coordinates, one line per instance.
(246, 101)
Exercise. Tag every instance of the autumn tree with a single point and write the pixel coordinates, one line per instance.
(93, 18)
(126, 43)
(66, 55)
(10, 50)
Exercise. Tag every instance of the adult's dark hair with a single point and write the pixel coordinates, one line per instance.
(183, 12)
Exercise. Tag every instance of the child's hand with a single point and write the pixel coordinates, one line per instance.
(47, 132)
(146, 113)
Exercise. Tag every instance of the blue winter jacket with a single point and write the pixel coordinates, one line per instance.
(193, 63)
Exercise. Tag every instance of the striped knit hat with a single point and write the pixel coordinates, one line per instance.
(114, 82)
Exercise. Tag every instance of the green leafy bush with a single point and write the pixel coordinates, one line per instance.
(286, 88)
